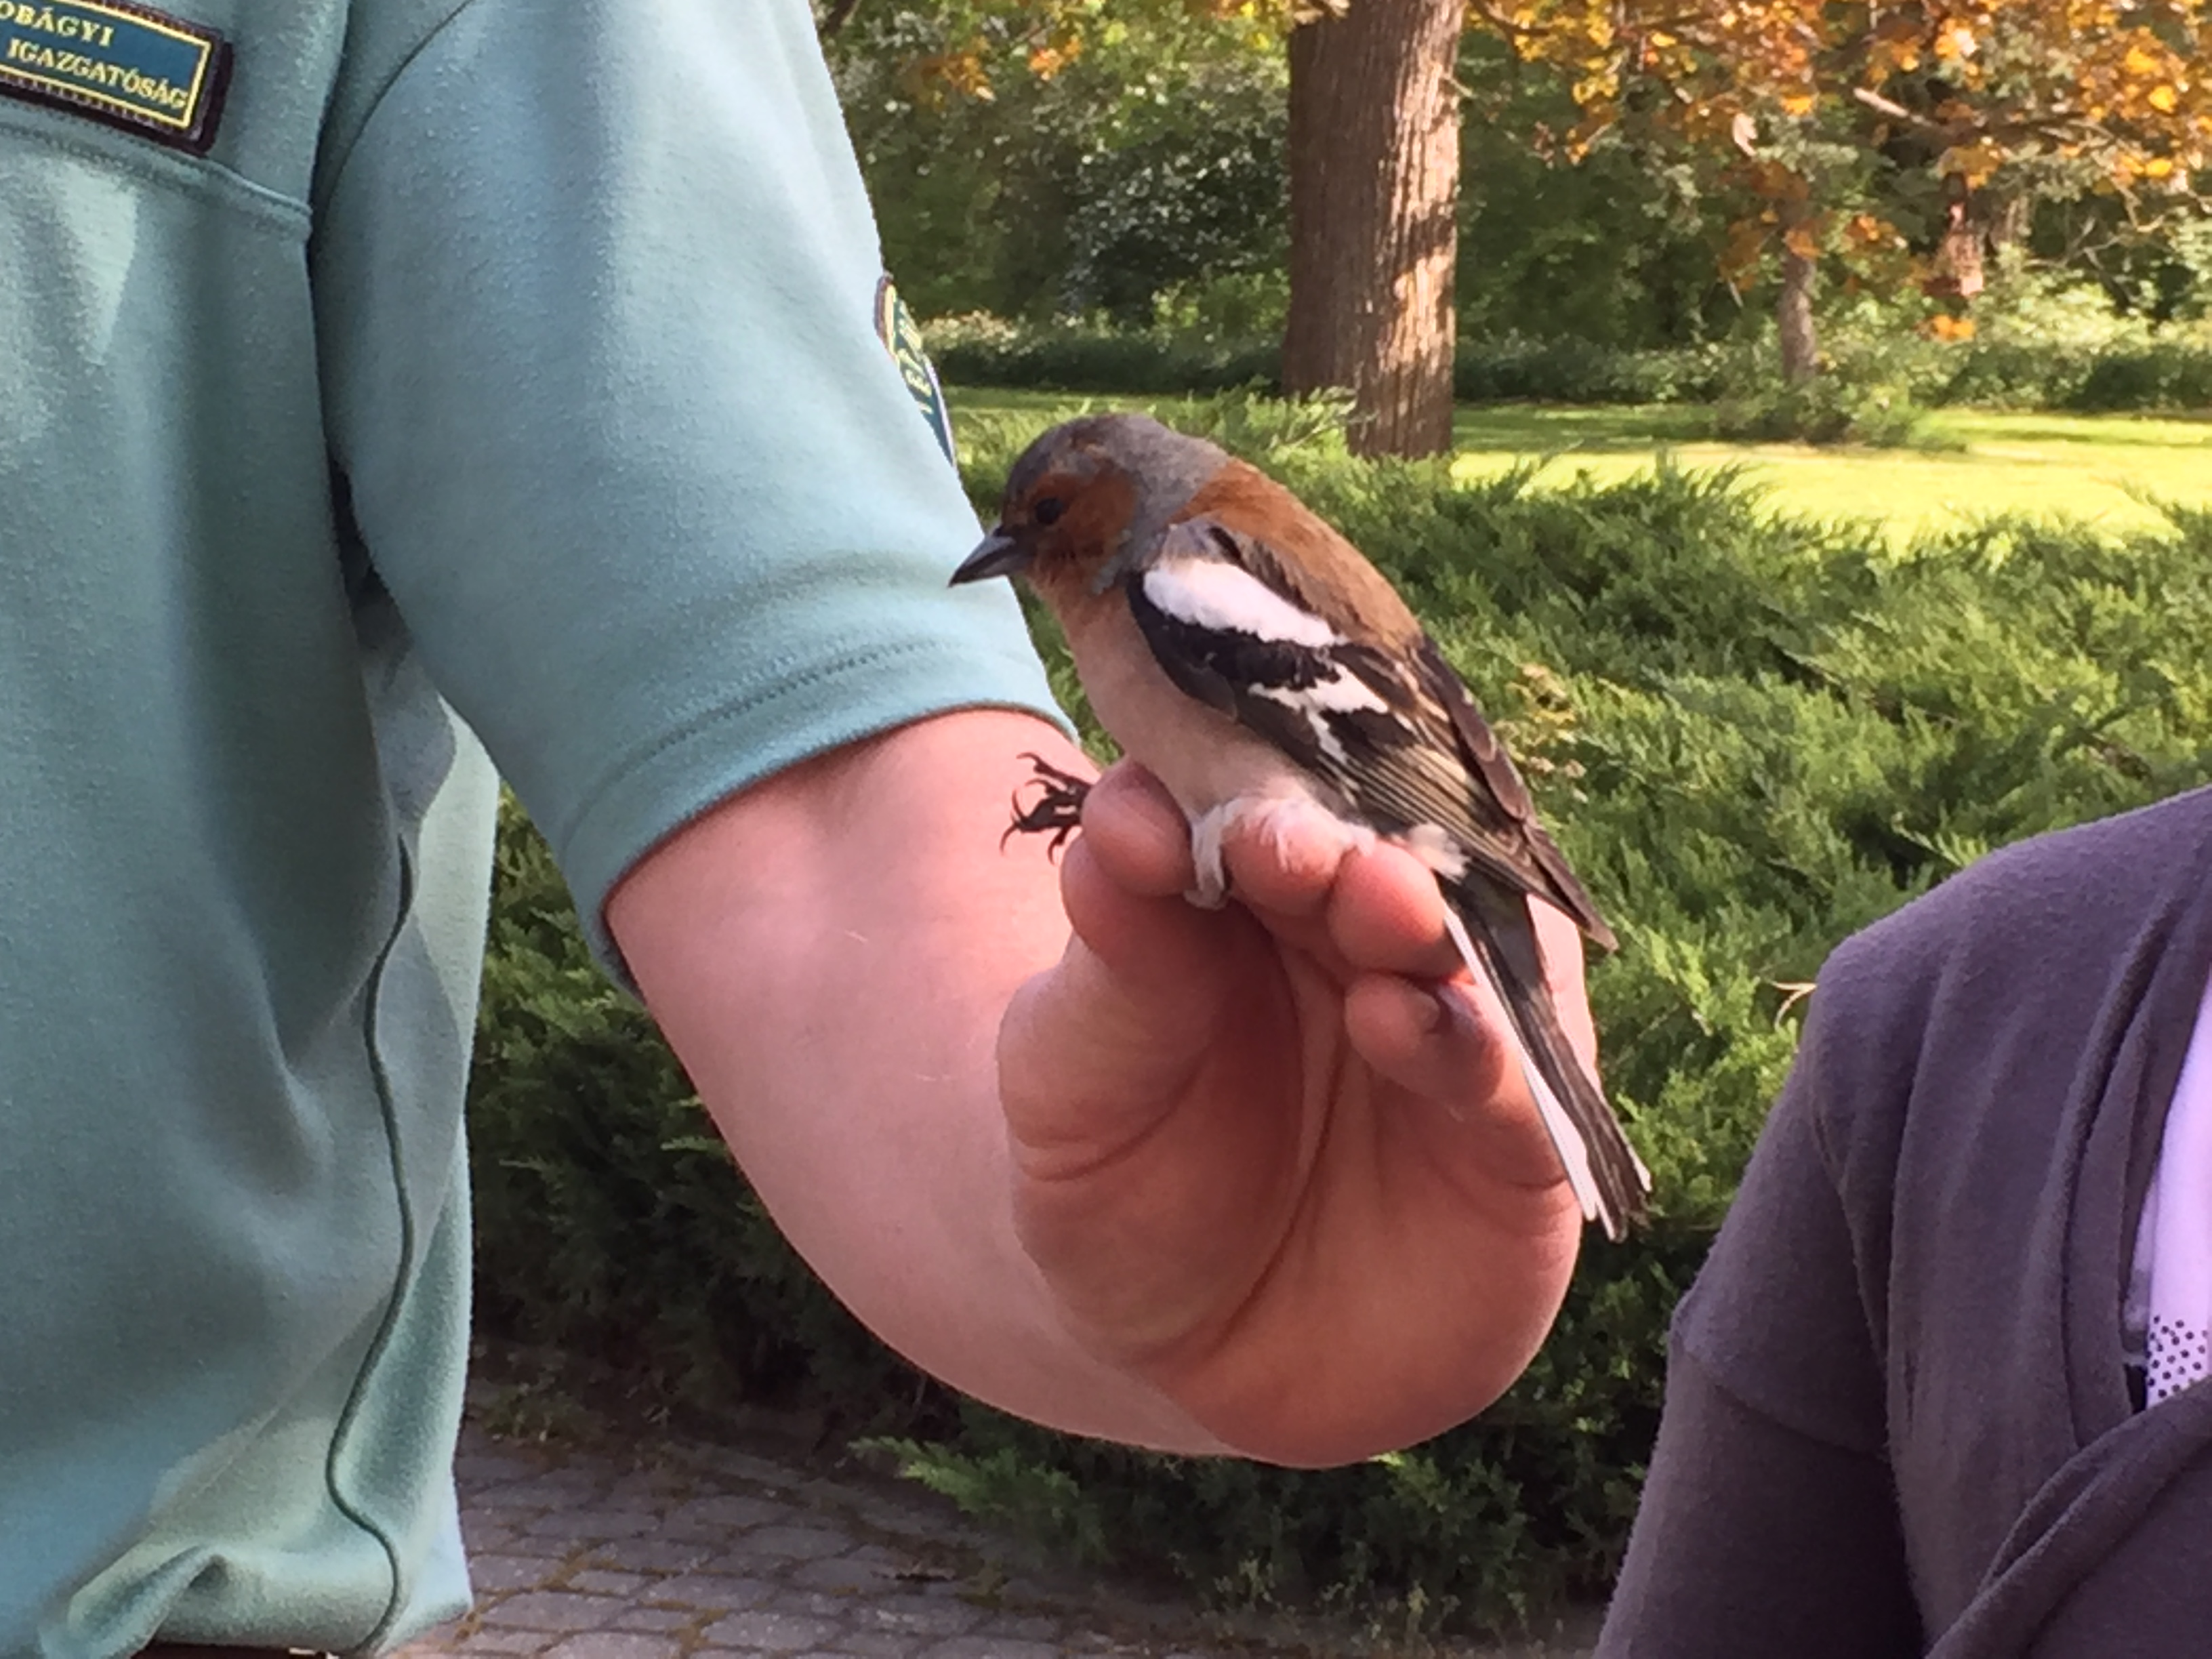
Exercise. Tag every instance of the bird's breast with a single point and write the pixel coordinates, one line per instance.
(1202, 755)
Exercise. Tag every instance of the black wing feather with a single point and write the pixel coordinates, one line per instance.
(1424, 757)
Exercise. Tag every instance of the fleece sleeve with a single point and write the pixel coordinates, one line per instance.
(595, 289)
(1769, 1522)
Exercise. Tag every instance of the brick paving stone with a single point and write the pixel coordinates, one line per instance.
(477, 1469)
(548, 1489)
(710, 1592)
(940, 1590)
(842, 1573)
(488, 1536)
(796, 1543)
(613, 1644)
(686, 1552)
(490, 1507)
(729, 1510)
(808, 1604)
(482, 1522)
(597, 1581)
(646, 1555)
(648, 1489)
(1026, 1629)
(503, 1641)
(876, 1644)
(992, 1647)
(711, 1539)
(552, 1610)
(591, 1526)
(531, 1476)
(916, 1616)
(554, 1483)
(510, 1573)
(770, 1633)
(492, 1500)
(654, 1619)
(758, 1470)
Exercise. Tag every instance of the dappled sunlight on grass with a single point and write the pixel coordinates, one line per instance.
(2091, 469)
(2094, 469)
(1532, 428)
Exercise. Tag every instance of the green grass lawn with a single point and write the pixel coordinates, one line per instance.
(2096, 468)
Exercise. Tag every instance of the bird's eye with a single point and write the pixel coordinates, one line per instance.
(1049, 510)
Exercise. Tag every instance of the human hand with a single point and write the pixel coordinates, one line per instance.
(1194, 1181)
(1271, 1158)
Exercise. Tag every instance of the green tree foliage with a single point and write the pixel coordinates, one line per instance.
(1084, 164)
(1754, 735)
(1617, 247)
(1031, 164)
(1144, 179)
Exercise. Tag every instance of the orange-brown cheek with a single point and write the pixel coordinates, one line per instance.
(1097, 517)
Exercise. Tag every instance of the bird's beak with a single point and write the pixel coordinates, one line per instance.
(997, 555)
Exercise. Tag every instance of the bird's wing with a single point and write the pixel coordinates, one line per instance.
(1387, 724)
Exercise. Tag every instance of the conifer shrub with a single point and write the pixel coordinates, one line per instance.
(1754, 735)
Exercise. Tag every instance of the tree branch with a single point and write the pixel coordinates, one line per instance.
(1896, 112)
(1503, 24)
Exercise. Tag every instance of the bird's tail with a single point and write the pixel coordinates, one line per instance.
(1609, 1181)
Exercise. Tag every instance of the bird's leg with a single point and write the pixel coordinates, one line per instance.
(1279, 819)
(1209, 888)
(1057, 809)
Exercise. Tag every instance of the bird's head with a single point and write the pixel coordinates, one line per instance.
(1088, 503)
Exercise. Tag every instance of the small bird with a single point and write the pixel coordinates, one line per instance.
(1251, 656)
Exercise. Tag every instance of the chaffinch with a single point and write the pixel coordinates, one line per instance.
(1251, 658)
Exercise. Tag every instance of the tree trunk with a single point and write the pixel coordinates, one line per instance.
(1793, 315)
(1374, 157)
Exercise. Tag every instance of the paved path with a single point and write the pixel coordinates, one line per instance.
(674, 1550)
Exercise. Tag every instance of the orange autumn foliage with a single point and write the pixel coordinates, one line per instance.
(2112, 96)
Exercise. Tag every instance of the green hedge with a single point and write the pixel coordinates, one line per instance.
(1754, 735)
(2134, 376)
(984, 350)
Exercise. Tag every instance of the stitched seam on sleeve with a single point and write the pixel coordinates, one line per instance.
(352, 141)
(775, 689)
(194, 176)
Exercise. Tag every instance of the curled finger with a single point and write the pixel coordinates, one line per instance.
(1448, 1046)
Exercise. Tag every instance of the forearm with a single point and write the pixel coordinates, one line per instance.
(830, 954)
(1753, 1539)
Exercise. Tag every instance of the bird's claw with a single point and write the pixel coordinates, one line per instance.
(1057, 810)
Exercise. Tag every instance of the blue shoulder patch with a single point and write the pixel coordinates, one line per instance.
(128, 65)
(901, 337)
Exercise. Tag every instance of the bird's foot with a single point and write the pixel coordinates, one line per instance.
(1057, 810)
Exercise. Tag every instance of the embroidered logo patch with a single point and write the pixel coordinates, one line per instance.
(901, 337)
(128, 65)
